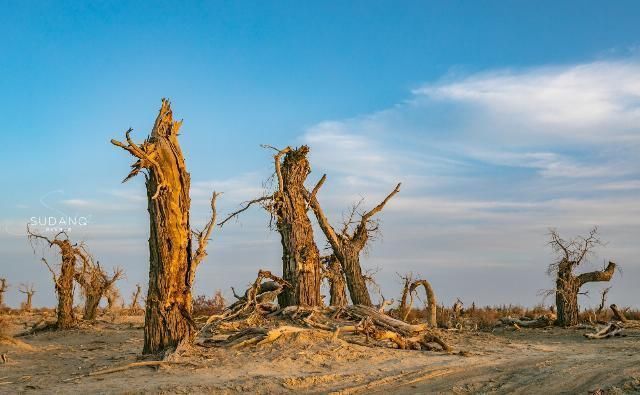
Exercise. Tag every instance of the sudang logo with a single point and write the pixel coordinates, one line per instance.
(58, 224)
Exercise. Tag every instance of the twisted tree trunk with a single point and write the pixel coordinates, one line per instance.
(403, 309)
(337, 289)
(65, 279)
(171, 270)
(568, 286)
(347, 247)
(353, 273)
(172, 261)
(407, 292)
(300, 256)
(64, 286)
(91, 303)
(95, 283)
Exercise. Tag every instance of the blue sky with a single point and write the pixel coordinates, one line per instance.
(501, 119)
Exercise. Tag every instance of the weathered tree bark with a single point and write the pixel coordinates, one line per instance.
(28, 291)
(335, 276)
(64, 281)
(617, 314)
(95, 283)
(347, 247)
(64, 287)
(172, 267)
(3, 289)
(403, 309)
(300, 256)
(567, 288)
(571, 253)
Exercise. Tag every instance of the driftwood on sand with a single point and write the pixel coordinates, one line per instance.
(252, 320)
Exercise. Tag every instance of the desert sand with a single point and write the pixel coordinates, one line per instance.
(504, 360)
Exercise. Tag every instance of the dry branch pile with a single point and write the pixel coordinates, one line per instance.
(255, 320)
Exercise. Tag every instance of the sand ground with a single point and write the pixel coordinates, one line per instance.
(504, 361)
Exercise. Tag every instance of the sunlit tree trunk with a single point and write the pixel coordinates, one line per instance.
(172, 263)
(300, 256)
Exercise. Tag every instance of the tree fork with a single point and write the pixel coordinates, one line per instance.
(348, 246)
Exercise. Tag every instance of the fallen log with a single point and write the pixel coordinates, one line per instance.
(540, 322)
(611, 330)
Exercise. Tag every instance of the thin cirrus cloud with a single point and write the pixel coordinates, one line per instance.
(575, 121)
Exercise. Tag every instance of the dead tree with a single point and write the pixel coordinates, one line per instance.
(172, 261)
(334, 275)
(617, 314)
(403, 311)
(570, 254)
(300, 255)
(29, 291)
(113, 296)
(431, 302)
(457, 308)
(3, 288)
(347, 244)
(94, 283)
(603, 300)
(65, 278)
(135, 297)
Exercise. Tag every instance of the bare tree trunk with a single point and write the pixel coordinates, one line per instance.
(337, 289)
(571, 253)
(64, 287)
(347, 247)
(355, 280)
(603, 300)
(3, 289)
(28, 305)
(172, 264)
(135, 297)
(567, 289)
(431, 301)
(300, 256)
(91, 303)
(402, 309)
(617, 314)
(567, 303)
(95, 283)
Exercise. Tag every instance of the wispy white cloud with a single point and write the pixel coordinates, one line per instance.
(489, 162)
(578, 100)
